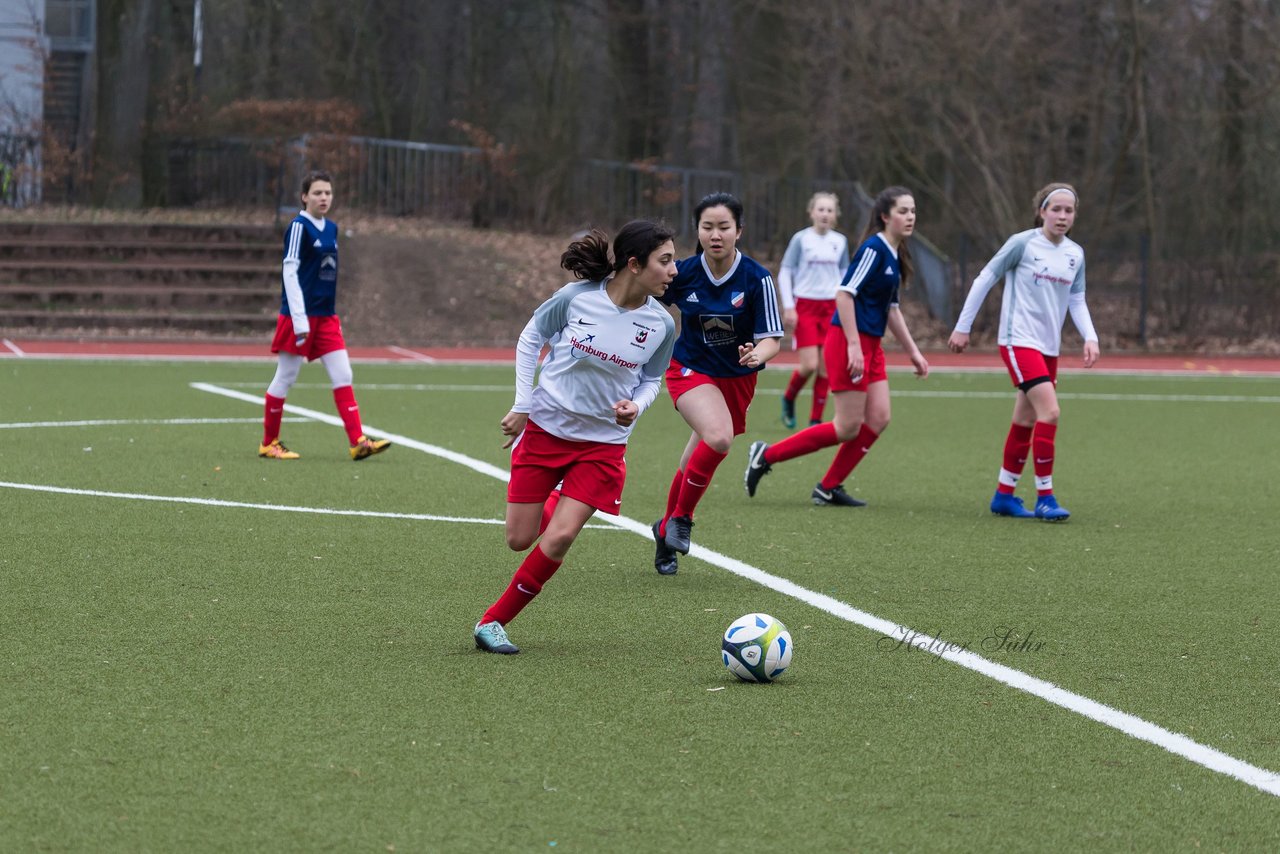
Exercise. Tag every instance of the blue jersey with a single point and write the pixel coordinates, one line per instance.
(872, 280)
(719, 315)
(311, 245)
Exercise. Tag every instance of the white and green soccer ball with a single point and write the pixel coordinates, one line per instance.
(756, 648)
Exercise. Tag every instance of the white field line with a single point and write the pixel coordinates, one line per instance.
(123, 422)
(412, 354)
(1180, 745)
(977, 395)
(214, 502)
(285, 508)
(12, 348)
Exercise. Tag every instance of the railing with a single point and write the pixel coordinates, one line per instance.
(488, 187)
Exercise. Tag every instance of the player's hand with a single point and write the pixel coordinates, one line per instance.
(748, 357)
(855, 361)
(300, 340)
(921, 364)
(625, 412)
(513, 424)
(958, 342)
(1091, 353)
(789, 319)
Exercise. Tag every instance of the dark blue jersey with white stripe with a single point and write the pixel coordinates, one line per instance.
(719, 315)
(315, 248)
(872, 279)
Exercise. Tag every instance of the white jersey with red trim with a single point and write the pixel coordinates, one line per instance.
(1042, 281)
(600, 354)
(812, 266)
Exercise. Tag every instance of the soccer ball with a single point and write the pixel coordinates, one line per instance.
(756, 648)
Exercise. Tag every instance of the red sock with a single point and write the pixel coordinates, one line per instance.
(673, 495)
(820, 386)
(345, 398)
(274, 412)
(548, 510)
(1016, 445)
(1042, 450)
(793, 387)
(534, 571)
(807, 441)
(848, 457)
(697, 477)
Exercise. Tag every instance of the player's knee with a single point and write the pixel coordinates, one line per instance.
(878, 423)
(1049, 414)
(719, 442)
(846, 431)
(518, 541)
(555, 544)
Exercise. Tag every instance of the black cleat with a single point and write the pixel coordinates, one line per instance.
(679, 532)
(756, 467)
(836, 497)
(664, 558)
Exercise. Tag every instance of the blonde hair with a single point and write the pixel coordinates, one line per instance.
(823, 194)
(1048, 190)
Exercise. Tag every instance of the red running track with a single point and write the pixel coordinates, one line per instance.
(974, 361)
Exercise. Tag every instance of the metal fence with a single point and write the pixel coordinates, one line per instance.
(490, 186)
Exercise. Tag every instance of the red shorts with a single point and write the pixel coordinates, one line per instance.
(737, 391)
(836, 355)
(1026, 364)
(325, 337)
(593, 472)
(813, 319)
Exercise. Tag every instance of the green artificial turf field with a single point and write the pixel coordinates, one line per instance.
(188, 665)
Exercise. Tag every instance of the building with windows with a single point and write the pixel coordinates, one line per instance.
(46, 79)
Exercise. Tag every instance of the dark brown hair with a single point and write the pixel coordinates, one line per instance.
(313, 176)
(588, 256)
(880, 209)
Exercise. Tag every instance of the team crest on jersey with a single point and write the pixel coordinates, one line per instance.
(641, 335)
(737, 299)
(1071, 262)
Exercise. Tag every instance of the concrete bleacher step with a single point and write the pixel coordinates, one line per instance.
(124, 280)
(243, 299)
(59, 322)
(118, 232)
(46, 250)
(213, 273)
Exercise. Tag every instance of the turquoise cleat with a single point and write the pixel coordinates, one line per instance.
(492, 637)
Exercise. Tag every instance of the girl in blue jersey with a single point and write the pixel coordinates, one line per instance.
(308, 327)
(1043, 273)
(866, 305)
(815, 260)
(729, 329)
(611, 341)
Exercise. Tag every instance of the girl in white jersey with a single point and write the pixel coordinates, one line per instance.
(815, 260)
(611, 342)
(1043, 273)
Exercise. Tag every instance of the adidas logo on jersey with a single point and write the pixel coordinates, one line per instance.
(316, 244)
(692, 298)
